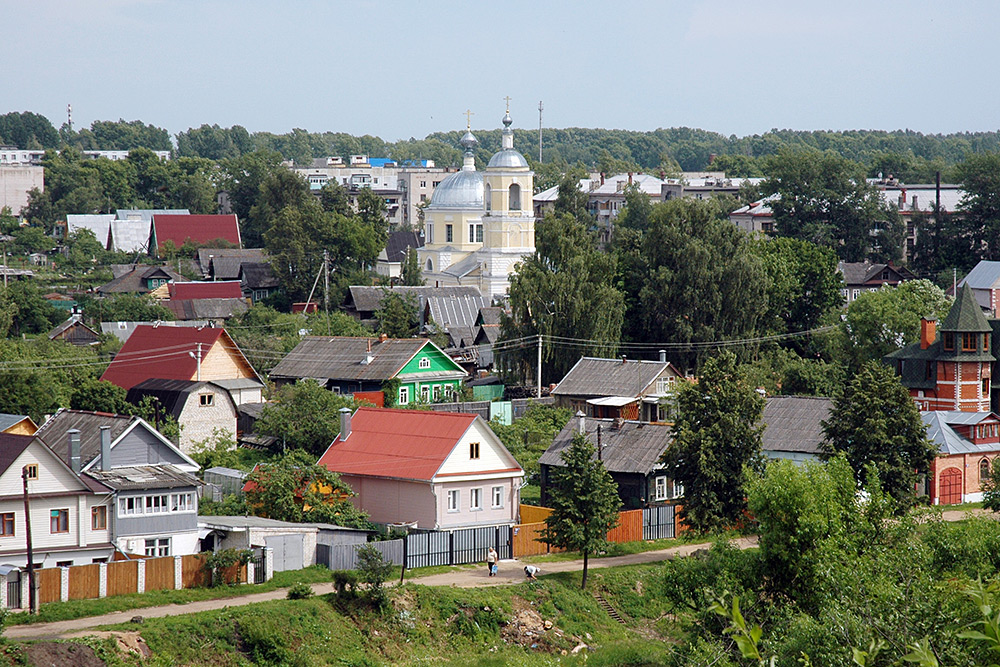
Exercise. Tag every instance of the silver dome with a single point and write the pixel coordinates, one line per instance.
(508, 158)
(463, 189)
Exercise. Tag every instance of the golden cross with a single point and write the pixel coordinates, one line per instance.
(508, 103)
(468, 119)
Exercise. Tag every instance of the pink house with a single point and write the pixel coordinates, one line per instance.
(438, 470)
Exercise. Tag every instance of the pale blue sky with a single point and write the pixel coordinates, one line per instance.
(407, 68)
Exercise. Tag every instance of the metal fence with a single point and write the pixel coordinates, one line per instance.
(467, 545)
(658, 523)
(482, 408)
(345, 556)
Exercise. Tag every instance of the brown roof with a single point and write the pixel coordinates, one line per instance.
(340, 358)
(593, 376)
(134, 280)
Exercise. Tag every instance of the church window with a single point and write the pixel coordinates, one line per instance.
(449, 233)
(430, 233)
(430, 266)
(488, 197)
(515, 197)
(984, 471)
(968, 342)
(949, 340)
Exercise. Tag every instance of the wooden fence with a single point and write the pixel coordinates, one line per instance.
(120, 577)
(526, 539)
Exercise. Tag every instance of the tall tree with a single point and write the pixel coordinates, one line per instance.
(875, 422)
(716, 437)
(584, 501)
(980, 205)
(566, 289)
(304, 416)
(411, 274)
(397, 316)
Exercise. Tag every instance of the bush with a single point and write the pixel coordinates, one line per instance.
(224, 565)
(300, 591)
(345, 582)
(374, 570)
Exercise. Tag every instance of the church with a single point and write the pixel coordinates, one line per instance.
(478, 225)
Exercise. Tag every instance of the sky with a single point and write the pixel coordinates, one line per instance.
(406, 68)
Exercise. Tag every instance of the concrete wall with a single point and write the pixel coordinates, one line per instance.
(15, 182)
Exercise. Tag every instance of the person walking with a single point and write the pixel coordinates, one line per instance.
(491, 561)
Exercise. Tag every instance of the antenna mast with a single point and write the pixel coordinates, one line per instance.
(69, 116)
(540, 107)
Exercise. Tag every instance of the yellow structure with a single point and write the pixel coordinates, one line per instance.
(17, 425)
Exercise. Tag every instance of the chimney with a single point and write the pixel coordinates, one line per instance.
(73, 437)
(630, 178)
(583, 422)
(623, 359)
(345, 423)
(928, 332)
(914, 204)
(602, 178)
(105, 448)
(902, 196)
(663, 356)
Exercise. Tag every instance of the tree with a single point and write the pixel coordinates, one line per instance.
(397, 316)
(980, 205)
(883, 321)
(875, 422)
(824, 198)
(571, 199)
(100, 396)
(803, 283)
(991, 487)
(125, 308)
(304, 416)
(566, 289)
(294, 488)
(411, 274)
(374, 571)
(584, 501)
(716, 439)
(333, 198)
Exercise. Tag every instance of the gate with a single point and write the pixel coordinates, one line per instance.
(14, 589)
(467, 545)
(427, 549)
(259, 572)
(658, 523)
(950, 487)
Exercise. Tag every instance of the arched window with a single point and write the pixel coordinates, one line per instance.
(430, 267)
(984, 471)
(488, 196)
(515, 197)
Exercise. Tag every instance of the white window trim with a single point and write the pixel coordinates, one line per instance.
(476, 499)
(454, 500)
(660, 488)
(424, 363)
(404, 395)
(498, 497)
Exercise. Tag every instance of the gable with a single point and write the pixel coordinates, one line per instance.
(434, 360)
(53, 475)
(493, 456)
(140, 447)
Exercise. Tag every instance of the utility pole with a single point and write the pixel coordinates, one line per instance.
(539, 394)
(326, 289)
(32, 590)
(540, 107)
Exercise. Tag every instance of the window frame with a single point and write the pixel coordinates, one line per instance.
(32, 469)
(454, 500)
(206, 400)
(99, 517)
(58, 521)
(476, 499)
(8, 519)
(449, 233)
(948, 340)
(497, 497)
(474, 451)
(404, 395)
(984, 462)
(424, 363)
(968, 342)
(660, 488)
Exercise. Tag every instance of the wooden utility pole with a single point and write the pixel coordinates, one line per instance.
(539, 394)
(32, 589)
(326, 288)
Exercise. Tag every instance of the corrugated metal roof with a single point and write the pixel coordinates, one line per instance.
(635, 447)
(946, 439)
(129, 235)
(122, 330)
(161, 352)
(212, 289)
(593, 376)
(985, 275)
(794, 423)
(133, 478)
(197, 228)
(340, 358)
(98, 223)
(53, 431)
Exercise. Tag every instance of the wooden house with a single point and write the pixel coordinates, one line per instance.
(618, 388)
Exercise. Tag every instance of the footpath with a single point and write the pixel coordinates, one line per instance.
(510, 572)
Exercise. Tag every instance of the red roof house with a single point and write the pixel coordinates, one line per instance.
(182, 353)
(199, 229)
(439, 470)
(225, 289)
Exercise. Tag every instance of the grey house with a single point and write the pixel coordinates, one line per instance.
(154, 492)
(631, 452)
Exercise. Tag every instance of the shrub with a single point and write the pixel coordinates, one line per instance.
(345, 582)
(300, 591)
(224, 565)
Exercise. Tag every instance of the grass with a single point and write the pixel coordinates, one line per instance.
(65, 611)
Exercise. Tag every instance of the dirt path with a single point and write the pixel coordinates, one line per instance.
(510, 573)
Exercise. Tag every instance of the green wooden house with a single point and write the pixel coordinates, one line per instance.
(414, 369)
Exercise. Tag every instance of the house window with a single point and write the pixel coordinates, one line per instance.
(661, 488)
(425, 393)
(182, 502)
(515, 197)
(949, 340)
(64, 563)
(986, 342)
(156, 504)
(99, 518)
(984, 471)
(424, 363)
(497, 497)
(928, 370)
(476, 499)
(665, 385)
(856, 294)
(453, 501)
(59, 521)
(968, 342)
(7, 524)
(423, 184)
(130, 506)
(472, 233)
(158, 546)
(437, 392)
(986, 386)
(32, 470)
(678, 489)
(449, 233)
(207, 400)
(404, 395)
(473, 450)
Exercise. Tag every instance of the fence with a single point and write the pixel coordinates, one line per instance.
(651, 523)
(468, 545)
(122, 577)
(345, 556)
(482, 408)
(659, 523)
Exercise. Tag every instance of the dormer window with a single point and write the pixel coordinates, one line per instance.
(968, 342)
(949, 341)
